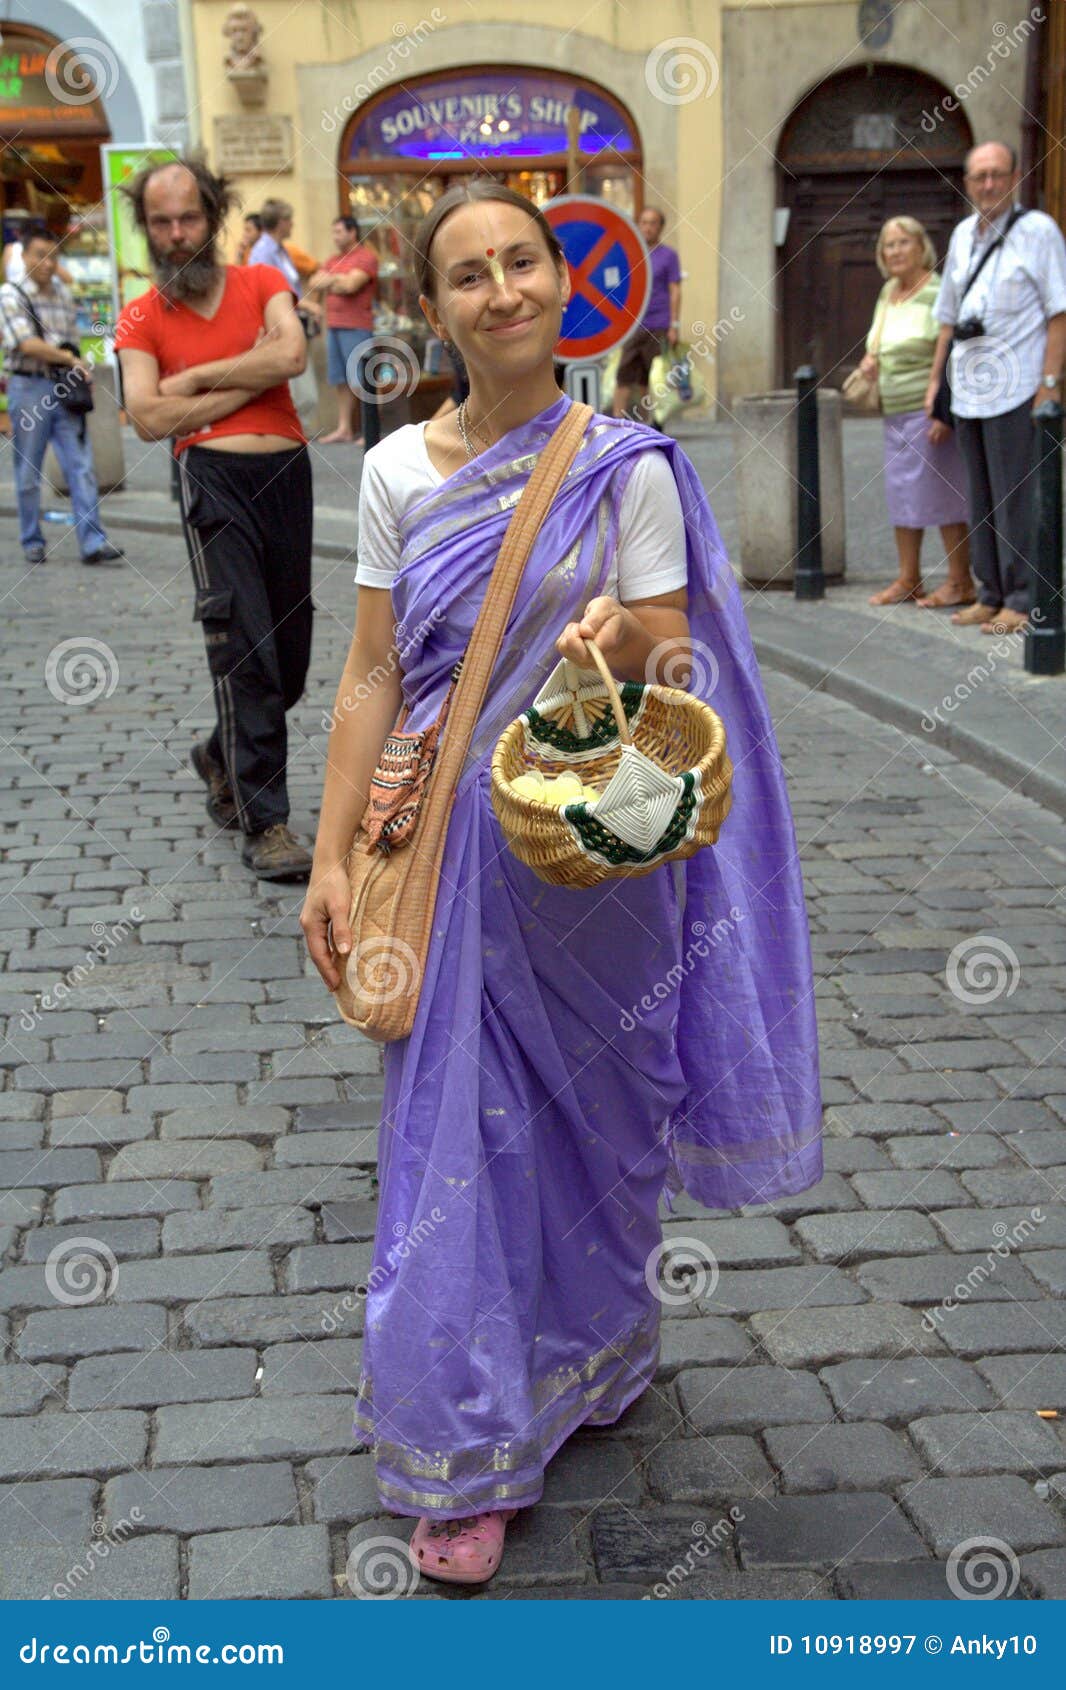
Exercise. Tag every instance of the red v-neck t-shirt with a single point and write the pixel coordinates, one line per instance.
(178, 338)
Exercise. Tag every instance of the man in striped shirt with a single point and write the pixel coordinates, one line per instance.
(39, 326)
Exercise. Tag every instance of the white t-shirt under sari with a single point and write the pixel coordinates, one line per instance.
(649, 558)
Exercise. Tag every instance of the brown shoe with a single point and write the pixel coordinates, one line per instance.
(276, 854)
(974, 613)
(221, 805)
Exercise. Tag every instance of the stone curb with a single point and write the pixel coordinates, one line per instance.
(995, 732)
(148, 523)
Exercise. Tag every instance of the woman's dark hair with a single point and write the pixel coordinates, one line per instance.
(349, 223)
(255, 220)
(473, 193)
(216, 192)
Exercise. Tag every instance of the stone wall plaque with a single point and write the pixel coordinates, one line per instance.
(253, 144)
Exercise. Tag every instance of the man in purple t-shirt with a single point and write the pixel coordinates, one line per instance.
(658, 327)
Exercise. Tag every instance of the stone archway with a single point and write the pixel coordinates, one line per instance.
(871, 142)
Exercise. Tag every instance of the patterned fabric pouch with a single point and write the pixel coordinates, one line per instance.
(398, 784)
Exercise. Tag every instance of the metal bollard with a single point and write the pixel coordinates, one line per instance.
(370, 409)
(808, 578)
(1045, 638)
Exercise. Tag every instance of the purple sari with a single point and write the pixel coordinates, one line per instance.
(574, 1052)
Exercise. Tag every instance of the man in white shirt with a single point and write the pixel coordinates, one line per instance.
(1009, 328)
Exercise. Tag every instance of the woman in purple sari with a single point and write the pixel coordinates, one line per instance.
(574, 1052)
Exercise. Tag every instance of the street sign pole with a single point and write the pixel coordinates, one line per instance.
(582, 384)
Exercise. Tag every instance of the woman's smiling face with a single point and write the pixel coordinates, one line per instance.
(498, 292)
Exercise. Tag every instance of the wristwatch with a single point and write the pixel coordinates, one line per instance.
(1049, 381)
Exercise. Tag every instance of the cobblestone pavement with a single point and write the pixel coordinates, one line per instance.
(857, 1394)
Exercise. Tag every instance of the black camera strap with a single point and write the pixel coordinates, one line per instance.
(942, 402)
(993, 246)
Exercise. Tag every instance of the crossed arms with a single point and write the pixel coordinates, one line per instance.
(338, 281)
(205, 393)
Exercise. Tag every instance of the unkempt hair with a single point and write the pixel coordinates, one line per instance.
(217, 194)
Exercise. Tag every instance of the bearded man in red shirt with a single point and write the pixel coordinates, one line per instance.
(206, 356)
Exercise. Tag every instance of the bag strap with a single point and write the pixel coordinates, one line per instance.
(875, 338)
(31, 308)
(522, 530)
(35, 319)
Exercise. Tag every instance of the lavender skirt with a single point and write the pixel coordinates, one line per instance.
(924, 484)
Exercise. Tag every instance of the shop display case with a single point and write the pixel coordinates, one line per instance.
(388, 209)
(87, 257)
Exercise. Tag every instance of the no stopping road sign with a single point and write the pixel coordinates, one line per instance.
(610, 275)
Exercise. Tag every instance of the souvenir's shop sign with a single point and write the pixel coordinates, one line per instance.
(249, 145)
(45, 88)
(524, 116)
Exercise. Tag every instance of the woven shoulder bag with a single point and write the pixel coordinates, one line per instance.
(394, 861)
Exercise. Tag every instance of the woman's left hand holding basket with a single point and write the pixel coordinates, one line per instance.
(645, 641)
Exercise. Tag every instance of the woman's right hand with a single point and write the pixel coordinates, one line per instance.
(868, 367)
(328, 900)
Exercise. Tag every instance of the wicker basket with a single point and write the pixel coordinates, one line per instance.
(657, 754)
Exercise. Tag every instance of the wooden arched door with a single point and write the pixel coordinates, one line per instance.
(870, 143)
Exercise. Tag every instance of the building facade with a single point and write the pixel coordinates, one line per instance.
(775, 137)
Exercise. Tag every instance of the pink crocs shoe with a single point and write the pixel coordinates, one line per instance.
(460, 1551)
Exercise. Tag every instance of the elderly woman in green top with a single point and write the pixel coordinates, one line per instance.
(924, 484)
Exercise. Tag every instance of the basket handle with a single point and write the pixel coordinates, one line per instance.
(608, 680)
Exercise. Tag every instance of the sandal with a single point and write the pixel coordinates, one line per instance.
(975, 615)
(898, 593)
(460, 1551)
(948, 597)
(1006, 621)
